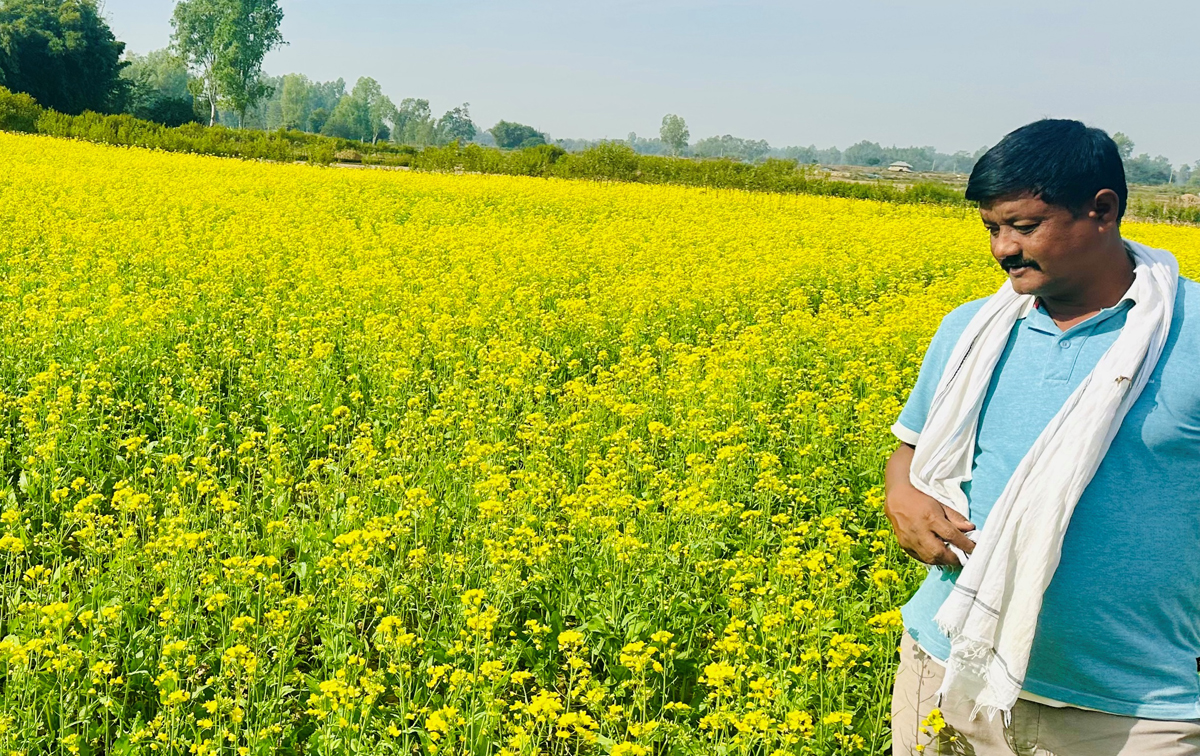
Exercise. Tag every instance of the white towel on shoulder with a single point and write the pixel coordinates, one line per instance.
(991, 614)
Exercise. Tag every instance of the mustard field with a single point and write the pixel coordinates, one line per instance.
(303, 460)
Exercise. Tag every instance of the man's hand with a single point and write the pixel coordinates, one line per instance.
(923, 524)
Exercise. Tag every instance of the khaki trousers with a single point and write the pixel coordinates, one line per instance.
(1035, 729)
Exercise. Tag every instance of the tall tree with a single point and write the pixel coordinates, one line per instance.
(295, 101)
(249, 30)
(317, 120)
(226, 41)
(195, 38)
(324, 98)
(62, 53)
(350, 119)
(327, 94)
(1124, 145)
(674, 133)
(456, 125)
(379, 109)
(414, 122)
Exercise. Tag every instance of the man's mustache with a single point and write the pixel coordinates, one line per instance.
(1013, 262)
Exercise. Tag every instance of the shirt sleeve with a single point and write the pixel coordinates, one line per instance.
(912, 418)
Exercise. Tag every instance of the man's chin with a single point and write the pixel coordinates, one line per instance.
(1026, 280)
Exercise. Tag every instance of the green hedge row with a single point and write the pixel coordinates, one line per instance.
(612, 161)
(1168, 212)
(216, 140)
(19, 112)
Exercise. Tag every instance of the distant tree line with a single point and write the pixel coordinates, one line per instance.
(673, 136)
(865, 154)
(165, 85)
(364, 113)
(1144, 169)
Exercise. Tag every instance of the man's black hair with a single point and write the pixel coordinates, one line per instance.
(1062, 162)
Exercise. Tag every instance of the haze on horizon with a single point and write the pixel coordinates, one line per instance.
(926, 72)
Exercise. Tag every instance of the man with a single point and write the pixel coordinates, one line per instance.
(1112, 667)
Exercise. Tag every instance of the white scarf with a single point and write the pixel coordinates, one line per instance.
(991, 614)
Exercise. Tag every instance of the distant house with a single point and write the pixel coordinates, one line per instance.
(900, 167)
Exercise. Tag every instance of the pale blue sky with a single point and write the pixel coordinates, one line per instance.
(952, 73)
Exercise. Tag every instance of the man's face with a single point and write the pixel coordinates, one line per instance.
(1043, 248)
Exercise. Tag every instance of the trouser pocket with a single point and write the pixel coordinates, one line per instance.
(1024, 728)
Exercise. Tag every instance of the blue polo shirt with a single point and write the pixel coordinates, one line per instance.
(1119, 629)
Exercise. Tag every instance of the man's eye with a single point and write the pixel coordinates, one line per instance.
(993, 230)
(1026, 229)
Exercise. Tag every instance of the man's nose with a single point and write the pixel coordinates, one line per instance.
(1006, 243)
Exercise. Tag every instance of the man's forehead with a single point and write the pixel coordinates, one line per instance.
(1014, 207)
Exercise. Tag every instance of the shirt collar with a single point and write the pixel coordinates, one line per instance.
(1039, 320)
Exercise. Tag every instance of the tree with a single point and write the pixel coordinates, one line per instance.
(194, 38)
(1142, 169)
(801, 154)
(755, 149)
(327, 94)
(1124, 145)
(750, 150)
(1146, 170)
(364, 114)
(644, 146)
(323, 97)
(158, 88)
(674, 133)
(295, 101)
(962, 162)
(249, 30)
(159, 71)
(413, 123)
(456, 125)
(226, 41)
(317, 120)
(865, 153)
(62, 53)
(379, 108)
(513, 135)
(348, 120)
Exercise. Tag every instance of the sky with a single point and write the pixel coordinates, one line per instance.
(954, 74)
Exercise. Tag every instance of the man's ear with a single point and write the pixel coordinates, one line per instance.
(1105, 208)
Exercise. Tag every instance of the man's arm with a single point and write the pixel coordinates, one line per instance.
(923, 525)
